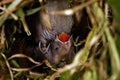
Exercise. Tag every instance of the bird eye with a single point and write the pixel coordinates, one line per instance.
(56, 48)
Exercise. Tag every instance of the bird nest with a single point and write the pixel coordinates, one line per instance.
(95, 41)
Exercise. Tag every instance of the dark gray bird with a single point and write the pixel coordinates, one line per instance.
(54, 48)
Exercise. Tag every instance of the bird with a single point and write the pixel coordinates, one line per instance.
(50, 42)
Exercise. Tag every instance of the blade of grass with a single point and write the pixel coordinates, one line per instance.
(7, 63)
(11, 7)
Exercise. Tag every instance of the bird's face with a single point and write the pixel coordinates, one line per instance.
(60, 50)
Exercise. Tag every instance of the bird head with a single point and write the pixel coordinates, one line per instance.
(61, 49)
(65, 39)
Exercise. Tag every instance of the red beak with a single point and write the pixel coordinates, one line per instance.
(64, 37)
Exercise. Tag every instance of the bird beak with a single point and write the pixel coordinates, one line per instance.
(67, 44)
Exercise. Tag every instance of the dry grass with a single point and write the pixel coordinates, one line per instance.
(98, 59)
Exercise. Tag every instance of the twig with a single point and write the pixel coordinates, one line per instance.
(7, 63)
(12, 7)
(73, 10)
(2, 37)
(5, 2)
(23, 56)
(9, 12)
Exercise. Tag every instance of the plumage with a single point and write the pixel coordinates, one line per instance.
(56, 43)
(59, 23)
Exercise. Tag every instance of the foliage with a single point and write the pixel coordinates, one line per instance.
(97, 59)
